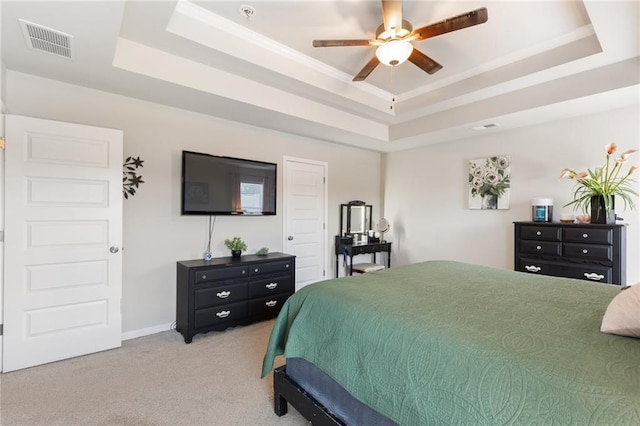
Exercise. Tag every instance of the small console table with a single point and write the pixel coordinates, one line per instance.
(347, 247)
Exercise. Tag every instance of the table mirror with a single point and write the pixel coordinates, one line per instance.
(355, 218)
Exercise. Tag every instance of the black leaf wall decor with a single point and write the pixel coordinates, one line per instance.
(130, 178)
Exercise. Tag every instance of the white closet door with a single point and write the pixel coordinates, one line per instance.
(63, 231)
(305, 217)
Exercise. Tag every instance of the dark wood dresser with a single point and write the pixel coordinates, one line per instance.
(227, 291)
(585, 251)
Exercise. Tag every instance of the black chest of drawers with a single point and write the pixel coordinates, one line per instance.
(585, 251)
(225, 292)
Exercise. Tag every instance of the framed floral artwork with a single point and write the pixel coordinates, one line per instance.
(489, 183)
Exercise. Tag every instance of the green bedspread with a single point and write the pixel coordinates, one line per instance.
(450, 343)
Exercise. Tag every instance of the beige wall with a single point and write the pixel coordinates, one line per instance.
(425, 190)
(155, 234)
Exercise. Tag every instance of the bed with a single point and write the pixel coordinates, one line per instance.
(445, 342)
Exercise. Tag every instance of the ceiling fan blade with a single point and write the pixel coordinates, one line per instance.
(424, 62)
(392, 14)
(337, 43)
(469, 19)
(364, 72)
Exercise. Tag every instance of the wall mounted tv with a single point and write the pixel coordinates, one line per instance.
(213, 185)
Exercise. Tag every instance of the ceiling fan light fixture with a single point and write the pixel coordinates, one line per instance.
(394, 52)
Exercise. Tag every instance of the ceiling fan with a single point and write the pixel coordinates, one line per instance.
(394, 37)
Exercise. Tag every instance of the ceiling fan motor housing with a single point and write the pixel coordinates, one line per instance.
(383, 35)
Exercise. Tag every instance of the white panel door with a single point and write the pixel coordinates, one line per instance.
(305, 216)
(63, 230)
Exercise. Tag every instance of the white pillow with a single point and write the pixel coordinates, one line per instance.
(622, 316)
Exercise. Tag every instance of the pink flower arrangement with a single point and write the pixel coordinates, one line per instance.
(607, 181)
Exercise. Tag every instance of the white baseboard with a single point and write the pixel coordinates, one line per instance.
(0, 354)
(146, 331)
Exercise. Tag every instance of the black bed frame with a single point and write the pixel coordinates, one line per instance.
(285, 390)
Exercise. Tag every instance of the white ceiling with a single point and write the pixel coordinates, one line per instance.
(533, 61)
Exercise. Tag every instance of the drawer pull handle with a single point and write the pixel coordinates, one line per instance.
(223, 314)
(538, 233)
(287, 266)
(585, 251)
(244, 272)
(271, 286)
(585, 235)
(538, 247)
(223, 294)
(532, 268)
(271, 303)
(204, 277)
(593, 276)
(255, 270)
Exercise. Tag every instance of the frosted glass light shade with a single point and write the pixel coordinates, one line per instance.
(394, 52)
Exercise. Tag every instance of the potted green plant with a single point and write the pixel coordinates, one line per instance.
(236, 245)
(595, 189)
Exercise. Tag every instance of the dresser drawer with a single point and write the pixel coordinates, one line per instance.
(588, 272)
(540, 267)
(271, 268)
(265, 287)
(600, 274)
(227, 273)
(219, 314)
(591, 236)
(267, 307)
(546, 233)
(588, 251)
(219, 295)
(362, 250)
(540, 247)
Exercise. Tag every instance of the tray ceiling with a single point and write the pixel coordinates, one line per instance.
(529, 63)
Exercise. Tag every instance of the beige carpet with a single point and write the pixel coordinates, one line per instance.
(153, 380)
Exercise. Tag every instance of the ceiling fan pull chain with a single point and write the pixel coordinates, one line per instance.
(393, 88)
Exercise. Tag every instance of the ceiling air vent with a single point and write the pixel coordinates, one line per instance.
(485, 126)
(45, 39)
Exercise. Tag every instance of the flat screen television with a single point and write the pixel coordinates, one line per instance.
(214, 185)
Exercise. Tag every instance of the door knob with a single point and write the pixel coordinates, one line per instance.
(114, 249)
(290, 237)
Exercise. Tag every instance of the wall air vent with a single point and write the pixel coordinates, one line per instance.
(45, 39)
